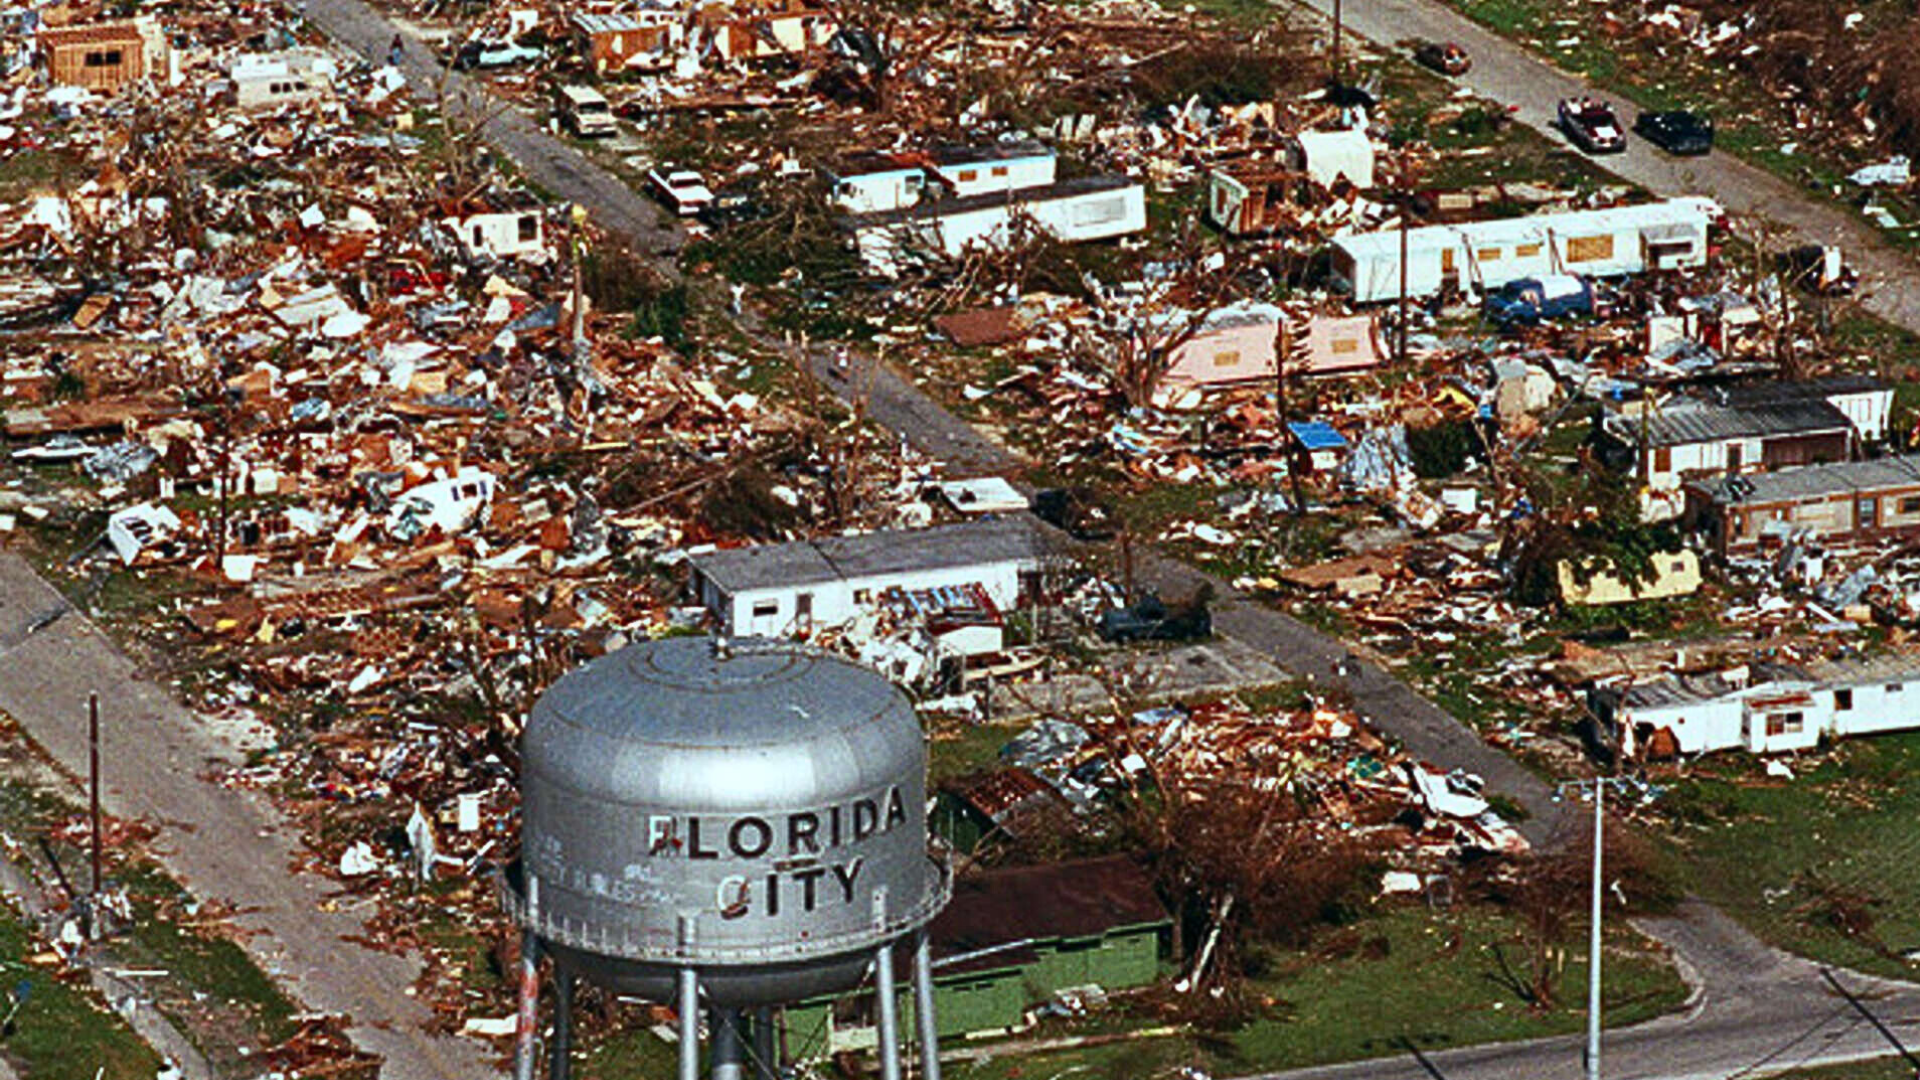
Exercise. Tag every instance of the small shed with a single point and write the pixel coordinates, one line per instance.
(100, 56)
(1319, 443)
(627, 40)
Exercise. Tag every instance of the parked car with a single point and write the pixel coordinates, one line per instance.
(683, 190)
(731, 206)
(1445, 57)
(1820, 270)
(1529, 300)
(1676, 131)
(1075, 510)
(1152, 619)
(1591, 125)
(483, 55)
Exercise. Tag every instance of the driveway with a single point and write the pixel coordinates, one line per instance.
(1511, 75)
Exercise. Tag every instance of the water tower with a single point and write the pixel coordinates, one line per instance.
(726, 827)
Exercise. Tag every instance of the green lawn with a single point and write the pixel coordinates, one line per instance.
(1432, 980)
(61, 1030)
(1886, 1068)
(1827, 865)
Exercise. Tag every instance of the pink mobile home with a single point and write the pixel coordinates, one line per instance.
(1236, 346)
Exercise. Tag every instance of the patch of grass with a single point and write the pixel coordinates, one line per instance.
(958, 748)
(631, 1052)
(62, 1031)
(1824, 864)
(214, 992)
(1436, 980)
(1886, 1068)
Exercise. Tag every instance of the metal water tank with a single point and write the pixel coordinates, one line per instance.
(752, 811)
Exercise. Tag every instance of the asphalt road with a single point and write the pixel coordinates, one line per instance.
(224, 844)
(1511, 75)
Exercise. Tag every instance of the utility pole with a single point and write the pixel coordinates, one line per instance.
(1406, 211)
(93, 810)
(1593, 938)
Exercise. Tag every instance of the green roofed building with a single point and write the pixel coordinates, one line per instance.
(1011, 940)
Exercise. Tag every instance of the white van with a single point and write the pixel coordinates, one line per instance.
(584, 111)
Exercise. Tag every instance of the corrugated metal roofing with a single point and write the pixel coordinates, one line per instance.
(1714, 423)
(1814, 481)
(810, 562)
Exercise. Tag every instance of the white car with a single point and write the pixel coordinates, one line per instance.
(683, 190)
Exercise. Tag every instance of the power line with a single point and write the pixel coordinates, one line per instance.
(1860, 1006)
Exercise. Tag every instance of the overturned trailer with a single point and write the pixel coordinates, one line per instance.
(1476, 256)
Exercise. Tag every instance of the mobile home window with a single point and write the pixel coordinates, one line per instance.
(763, 609)
(529, 228)
(968, 176)
(1525, 251)
(1487, 254)
(1663, 459)
(1100, 212)
(1589, 248)
(1345, 346)
(1843, 699)
(1910, 504)
(1228, 359)
(999, 170)
(1785, 723)
(103, 58)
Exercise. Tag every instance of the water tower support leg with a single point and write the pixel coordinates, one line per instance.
(725, 1026)
(561, 1067)
(689, 1024)
(923, 1007)
(526, 1029)
(889, 1010)
(766, 1052)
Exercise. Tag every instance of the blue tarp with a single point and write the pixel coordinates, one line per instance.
(1317, 435)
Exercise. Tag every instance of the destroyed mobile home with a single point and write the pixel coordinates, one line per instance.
(373, 422)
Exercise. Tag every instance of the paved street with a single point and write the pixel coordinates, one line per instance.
(1509, 74)
(225, 845)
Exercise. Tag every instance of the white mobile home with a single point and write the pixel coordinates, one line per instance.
(780, 589)
(269, 80)
(999, 167)
(499, 234)
(874, 183)
(1483, 255)
(1089, 208)
(1765, 709)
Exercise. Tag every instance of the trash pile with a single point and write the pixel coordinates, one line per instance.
(1321, 753)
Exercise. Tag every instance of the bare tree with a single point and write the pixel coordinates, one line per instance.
(1135, 338)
